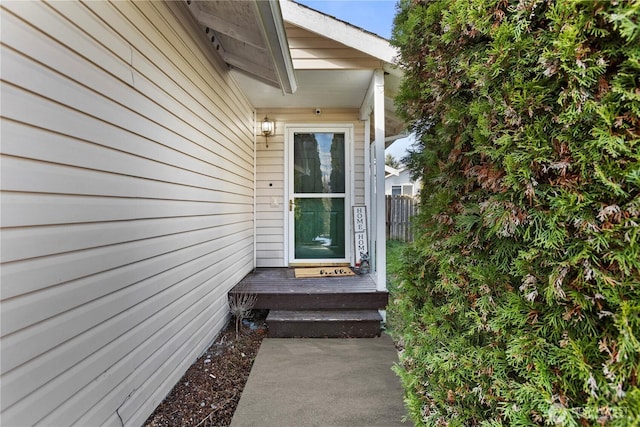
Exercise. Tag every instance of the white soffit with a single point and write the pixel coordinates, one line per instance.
(250, 37)
(316, 88)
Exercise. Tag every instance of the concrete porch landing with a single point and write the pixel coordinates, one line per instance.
(323, 382)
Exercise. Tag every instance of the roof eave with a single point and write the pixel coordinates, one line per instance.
(274, 32)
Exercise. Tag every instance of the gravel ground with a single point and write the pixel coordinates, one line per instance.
(208, 393)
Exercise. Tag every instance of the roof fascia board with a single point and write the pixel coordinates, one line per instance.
(393, 138)
(337, 30)
(391, 170)
(270, 17)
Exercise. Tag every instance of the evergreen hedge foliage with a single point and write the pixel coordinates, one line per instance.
(520, 300)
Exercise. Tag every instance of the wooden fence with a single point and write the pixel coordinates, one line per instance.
(400, 209)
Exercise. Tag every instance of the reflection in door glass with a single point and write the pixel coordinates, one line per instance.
(319, 228)
(319, 163)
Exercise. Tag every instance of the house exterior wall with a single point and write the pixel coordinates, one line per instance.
(127, 206)
(271, 194)
(403, 178)
(310, 51)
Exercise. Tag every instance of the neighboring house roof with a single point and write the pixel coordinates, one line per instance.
(389, 171)
(332, 61)
(398, 175)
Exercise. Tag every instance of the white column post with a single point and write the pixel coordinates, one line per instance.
(367, 179)
(380, 227)
(255, 191)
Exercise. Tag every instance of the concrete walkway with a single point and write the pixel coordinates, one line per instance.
(322, 382)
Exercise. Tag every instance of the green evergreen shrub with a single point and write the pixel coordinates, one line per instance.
(520, 300)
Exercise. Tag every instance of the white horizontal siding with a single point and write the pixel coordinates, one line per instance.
(271, 195)
(127, 206)
(22, 243)
(313, 52)
(104, 325)
(43, 177)
(78, 273)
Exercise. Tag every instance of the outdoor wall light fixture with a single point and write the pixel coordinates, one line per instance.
(267, 129)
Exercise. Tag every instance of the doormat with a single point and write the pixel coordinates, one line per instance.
(302, 273)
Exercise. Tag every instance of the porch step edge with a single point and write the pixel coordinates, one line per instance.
(324, 324)
(324, 316)
(294, 301)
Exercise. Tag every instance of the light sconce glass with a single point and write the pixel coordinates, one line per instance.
(267, 128)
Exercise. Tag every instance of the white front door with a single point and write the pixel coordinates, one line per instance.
(319, 189)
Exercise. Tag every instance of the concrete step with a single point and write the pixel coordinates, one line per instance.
(324, 323)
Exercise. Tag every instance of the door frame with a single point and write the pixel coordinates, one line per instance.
(289, 241)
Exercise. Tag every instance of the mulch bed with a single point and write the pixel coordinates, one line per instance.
(209, 392)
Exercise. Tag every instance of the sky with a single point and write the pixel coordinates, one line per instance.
(375, 16)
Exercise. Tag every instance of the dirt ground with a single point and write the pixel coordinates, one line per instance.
(209, 392)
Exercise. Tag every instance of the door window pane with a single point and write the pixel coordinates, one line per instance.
(319, 162)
